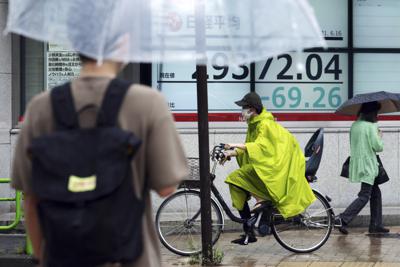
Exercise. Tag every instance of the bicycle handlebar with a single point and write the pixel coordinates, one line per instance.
(217, 153)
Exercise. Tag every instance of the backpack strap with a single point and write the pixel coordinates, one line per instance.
(63, 106)
(109, 111)
(112, 101)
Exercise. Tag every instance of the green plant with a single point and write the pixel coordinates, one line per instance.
(217, 258)
(194, 259)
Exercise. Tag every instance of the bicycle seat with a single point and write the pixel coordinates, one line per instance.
(313, 151)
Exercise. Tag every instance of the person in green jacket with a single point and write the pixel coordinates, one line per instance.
(272, 166)
(365, 142)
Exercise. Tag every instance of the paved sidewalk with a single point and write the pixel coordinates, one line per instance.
(356, 249)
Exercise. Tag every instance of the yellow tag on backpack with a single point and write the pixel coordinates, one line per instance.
(81, 184)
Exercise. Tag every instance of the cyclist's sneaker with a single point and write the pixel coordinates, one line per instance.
(245, 239)
(343, 230)
(341, 225)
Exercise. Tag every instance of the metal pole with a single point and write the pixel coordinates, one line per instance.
(202, 110)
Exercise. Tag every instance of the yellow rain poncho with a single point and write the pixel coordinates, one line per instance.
(273, 167)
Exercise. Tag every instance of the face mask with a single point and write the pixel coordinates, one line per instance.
(246, 114)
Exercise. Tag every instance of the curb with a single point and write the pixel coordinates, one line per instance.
(16, 261)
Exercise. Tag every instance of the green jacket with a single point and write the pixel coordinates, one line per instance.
(364, 143)
(279, 162)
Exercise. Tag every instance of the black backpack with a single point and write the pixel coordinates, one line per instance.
(88, 210)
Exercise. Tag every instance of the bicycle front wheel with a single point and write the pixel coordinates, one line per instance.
(178, 222)
(305, 232)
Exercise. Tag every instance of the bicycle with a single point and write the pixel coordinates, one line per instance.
(178, 219)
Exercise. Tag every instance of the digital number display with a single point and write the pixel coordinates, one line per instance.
(377, 23)
(220, 70)
(376, 72)
(321, 86)
(333, 20)
(225, 84)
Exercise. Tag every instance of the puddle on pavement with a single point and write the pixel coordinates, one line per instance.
(385, 235)
(243, 261)
(343, 244)
(375, 248)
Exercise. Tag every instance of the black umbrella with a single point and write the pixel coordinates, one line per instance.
(390, 102)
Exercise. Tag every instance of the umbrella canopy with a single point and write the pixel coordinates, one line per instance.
(164, 30)
(389, 103)
(173, 30)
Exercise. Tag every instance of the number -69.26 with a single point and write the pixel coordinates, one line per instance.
(319, 98)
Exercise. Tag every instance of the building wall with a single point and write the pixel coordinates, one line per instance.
(336, 150)
(5, 105)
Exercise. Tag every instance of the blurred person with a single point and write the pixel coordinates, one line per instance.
(159, 163)
(365, 142)
(272, 167)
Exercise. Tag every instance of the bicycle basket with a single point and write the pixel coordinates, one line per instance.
(193, 180)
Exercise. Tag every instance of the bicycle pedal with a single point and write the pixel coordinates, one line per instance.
(246, 240)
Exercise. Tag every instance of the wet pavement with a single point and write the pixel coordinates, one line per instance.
(356, 249)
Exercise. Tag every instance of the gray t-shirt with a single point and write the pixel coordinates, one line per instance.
(144, 112)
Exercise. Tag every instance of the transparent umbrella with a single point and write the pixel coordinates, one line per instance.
(173, 30)
(164, 30)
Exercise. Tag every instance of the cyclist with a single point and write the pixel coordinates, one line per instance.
(272, 167)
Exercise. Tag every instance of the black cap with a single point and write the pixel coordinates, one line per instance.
(252, 100)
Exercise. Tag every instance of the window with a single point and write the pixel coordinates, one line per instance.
(44, 66)
(32, 75)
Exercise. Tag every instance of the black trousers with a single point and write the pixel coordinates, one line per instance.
(370, 193)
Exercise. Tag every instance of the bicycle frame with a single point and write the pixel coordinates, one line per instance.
(224, 206)
(220, 200)
(227, 210)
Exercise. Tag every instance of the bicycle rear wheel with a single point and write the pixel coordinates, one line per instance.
(305, 232)
(178, 222)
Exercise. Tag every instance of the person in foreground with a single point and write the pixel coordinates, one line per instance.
(272, 167)
(365, 142)
(159, 164)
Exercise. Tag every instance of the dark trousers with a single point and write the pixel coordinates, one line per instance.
(245, 214)
(370, 193)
